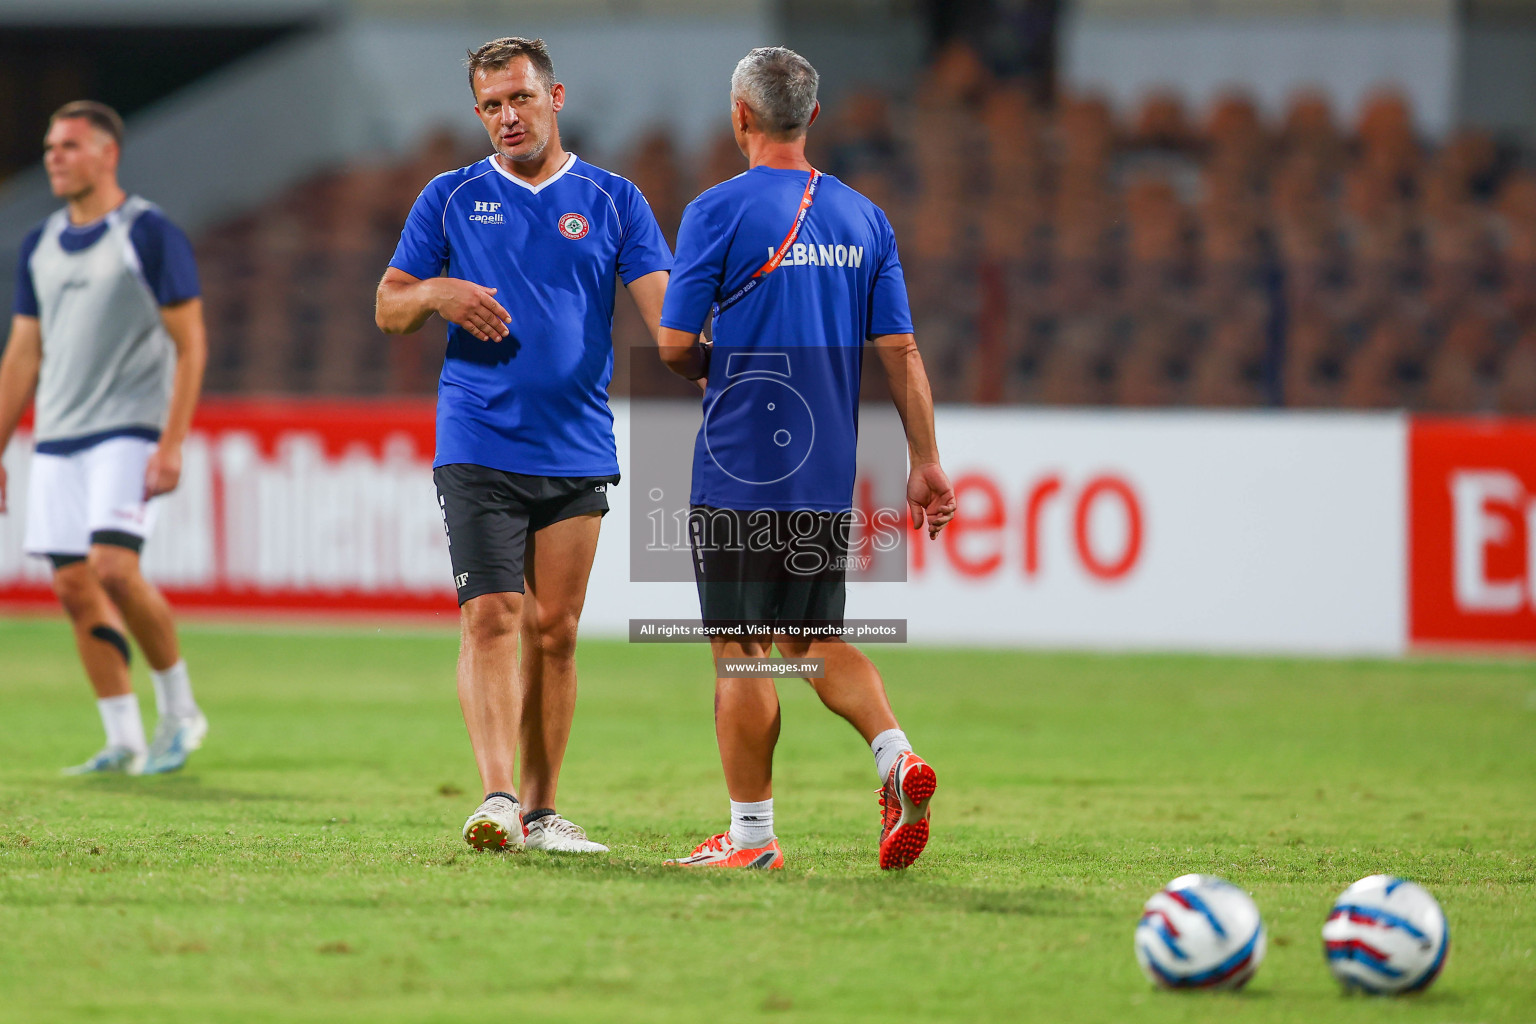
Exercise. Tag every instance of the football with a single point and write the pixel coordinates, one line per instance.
(1386, 935)
(1200, 931)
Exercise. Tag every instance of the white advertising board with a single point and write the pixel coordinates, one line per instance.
(1154, 530)
(1207, 531)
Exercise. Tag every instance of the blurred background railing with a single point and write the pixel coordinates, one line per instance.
(1076, 230)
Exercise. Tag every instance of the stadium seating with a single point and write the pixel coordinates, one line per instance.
(1054, 254)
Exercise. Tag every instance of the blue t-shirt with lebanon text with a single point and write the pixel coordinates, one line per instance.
(535, 402)
(781, 409)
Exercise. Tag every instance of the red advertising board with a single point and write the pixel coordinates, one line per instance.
(1472, 532)
(285, 506)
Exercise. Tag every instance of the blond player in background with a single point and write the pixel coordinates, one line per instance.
(108, 336)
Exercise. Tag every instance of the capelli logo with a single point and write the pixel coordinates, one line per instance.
(487, 213)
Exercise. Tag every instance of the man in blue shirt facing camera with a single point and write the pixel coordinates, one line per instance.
(519, 252)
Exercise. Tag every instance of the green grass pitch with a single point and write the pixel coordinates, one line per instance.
(307, 865)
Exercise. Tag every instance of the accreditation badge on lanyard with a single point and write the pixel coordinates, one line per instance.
(783, 250)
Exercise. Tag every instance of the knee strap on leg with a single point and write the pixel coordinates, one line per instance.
(118, 539)
(116, 639)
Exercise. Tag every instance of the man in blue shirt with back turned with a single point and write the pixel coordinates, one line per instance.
(799, 271)
(518, 252)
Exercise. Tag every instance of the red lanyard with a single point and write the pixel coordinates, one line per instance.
(783, 250)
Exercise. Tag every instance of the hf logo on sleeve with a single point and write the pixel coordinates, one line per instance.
(574, 226)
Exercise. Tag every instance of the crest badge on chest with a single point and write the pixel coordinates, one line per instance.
(574, 226)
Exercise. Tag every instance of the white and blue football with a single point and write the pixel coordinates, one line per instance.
(1200, 931)
(1386, 935)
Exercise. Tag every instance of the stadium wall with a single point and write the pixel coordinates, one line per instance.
(372, 86)
(1203, 531)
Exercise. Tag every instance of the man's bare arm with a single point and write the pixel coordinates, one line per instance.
(18, 380)
(684, 353)
(184, 323)
(929, 494)
(909, 389)
(404, 303)
(676, 348)
(648, 293)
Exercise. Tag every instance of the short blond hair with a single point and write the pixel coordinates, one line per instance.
(99, 114)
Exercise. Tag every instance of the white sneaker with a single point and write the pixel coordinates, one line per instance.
(496, 824)
(558, 835)
(111, 759)
(175, 739)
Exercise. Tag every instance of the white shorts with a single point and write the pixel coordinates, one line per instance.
(99, 489)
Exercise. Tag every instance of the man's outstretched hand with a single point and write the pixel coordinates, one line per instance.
(930, 497)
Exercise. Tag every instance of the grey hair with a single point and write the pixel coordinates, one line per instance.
(780, 87)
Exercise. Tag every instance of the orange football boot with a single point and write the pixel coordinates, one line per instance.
(719, 852)
(904, 811)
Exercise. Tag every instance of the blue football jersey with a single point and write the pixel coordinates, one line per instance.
(781, 410)
(537, 401)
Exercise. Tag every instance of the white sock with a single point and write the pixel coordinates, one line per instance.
(120, 717)
(888, 746)
(173, 691)
(752, 823)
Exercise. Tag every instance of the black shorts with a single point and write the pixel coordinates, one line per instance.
(768, 567)
(489, 513)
